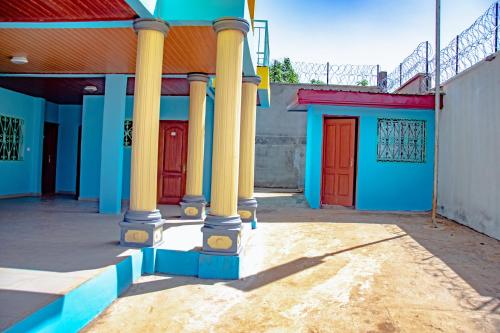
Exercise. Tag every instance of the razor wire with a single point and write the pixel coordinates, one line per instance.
(475, 43)
(343, 74)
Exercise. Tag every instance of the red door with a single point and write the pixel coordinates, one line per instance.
(49, 160)
(172, 156)
(339, 137)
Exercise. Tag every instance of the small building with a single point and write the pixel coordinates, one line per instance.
(371, 151)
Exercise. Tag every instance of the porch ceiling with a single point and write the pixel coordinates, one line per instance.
(64, 10)
(70, 90)
(111, 50)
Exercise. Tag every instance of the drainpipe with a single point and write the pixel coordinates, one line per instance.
(437, 104)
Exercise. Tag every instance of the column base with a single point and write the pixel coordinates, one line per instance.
(247, 209)
(193, 207)
(141, 229)
(222, 235)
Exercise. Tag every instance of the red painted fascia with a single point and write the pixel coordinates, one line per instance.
(366, 99)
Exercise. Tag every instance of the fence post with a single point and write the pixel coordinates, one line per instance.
(400, 74)
(456, 56)
(496, 27)
(327, 72)
(427, 78)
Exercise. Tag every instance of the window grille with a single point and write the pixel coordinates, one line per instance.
(127, 133)
(11, 138)
(401, 140)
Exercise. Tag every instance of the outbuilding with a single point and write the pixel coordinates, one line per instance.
(370, 151)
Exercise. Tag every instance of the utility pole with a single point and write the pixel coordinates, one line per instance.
(437, 107)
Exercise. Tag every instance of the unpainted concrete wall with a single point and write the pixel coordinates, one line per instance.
(281, 137)
(469, 149)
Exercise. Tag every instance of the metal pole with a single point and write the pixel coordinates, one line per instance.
(427, 79)
(400, 74)
(327, 73)
(437, 107)
(496, 27)
(456, 55)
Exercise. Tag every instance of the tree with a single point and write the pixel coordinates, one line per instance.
(283, 72)
(362, 83)
(316, 81)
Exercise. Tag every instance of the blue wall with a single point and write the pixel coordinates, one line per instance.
(67, 147)
(23, 177)
(171, 108)
(379, 185)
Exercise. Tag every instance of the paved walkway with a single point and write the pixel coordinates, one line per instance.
(330, 270)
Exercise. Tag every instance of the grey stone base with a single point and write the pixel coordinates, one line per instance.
(222, 235)
(247, 209)
(193, 207)
(140, 229)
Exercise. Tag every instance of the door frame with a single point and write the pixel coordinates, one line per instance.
(173, 121)
(356, 149)
(55, 126)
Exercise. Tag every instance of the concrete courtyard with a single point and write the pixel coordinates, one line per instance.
(330, 270)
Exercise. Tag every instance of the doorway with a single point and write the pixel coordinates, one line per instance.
(49, 162)
(172, 159)
(339, 161)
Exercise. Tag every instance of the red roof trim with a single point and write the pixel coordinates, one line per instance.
(367, 99)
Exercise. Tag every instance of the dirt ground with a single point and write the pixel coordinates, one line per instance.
(330, 270)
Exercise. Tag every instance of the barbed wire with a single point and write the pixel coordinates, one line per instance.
(471, 46)
(327, 73)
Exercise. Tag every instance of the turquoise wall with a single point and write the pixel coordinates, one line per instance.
(171, 108)
(23, 177)
(380, 185)
(67, 147)
(199, 10)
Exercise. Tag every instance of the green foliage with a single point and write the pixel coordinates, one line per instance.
(283, 72)
(362, 83)
(315, 81)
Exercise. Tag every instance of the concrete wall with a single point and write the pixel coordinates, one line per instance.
(394, 186)
(23, 177)
(469, 149)
(281, 138)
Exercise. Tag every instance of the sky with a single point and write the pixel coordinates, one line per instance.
(360, 32)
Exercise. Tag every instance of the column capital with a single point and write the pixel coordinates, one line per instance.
(231, 23)
(197, 77)
(151, 24)
(251, 79)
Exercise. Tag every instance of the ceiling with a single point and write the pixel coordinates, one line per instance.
(108, 50)
(64, 10)
(70, 90)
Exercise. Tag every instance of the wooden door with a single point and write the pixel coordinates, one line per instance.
(172, 157)
(339, 139)
(49, 161)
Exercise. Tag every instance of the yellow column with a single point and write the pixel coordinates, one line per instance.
(247, 205)
(193, 203)
(222, 229)
(142, 225)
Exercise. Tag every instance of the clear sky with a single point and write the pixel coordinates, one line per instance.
(360, 31)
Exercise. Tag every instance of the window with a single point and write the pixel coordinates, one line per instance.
(11, 138)
(127, 133)
(401, 140)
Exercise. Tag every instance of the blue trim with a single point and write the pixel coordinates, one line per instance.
(73, 311)
(67, 25)
(140, 8)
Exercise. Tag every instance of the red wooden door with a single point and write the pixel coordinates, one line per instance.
(49, 160)
(172, 156)
(339, 137)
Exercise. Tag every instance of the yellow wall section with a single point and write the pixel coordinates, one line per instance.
(196, 137)
(263, 72)
(247, 140)
(143, 180)
(227, 111)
